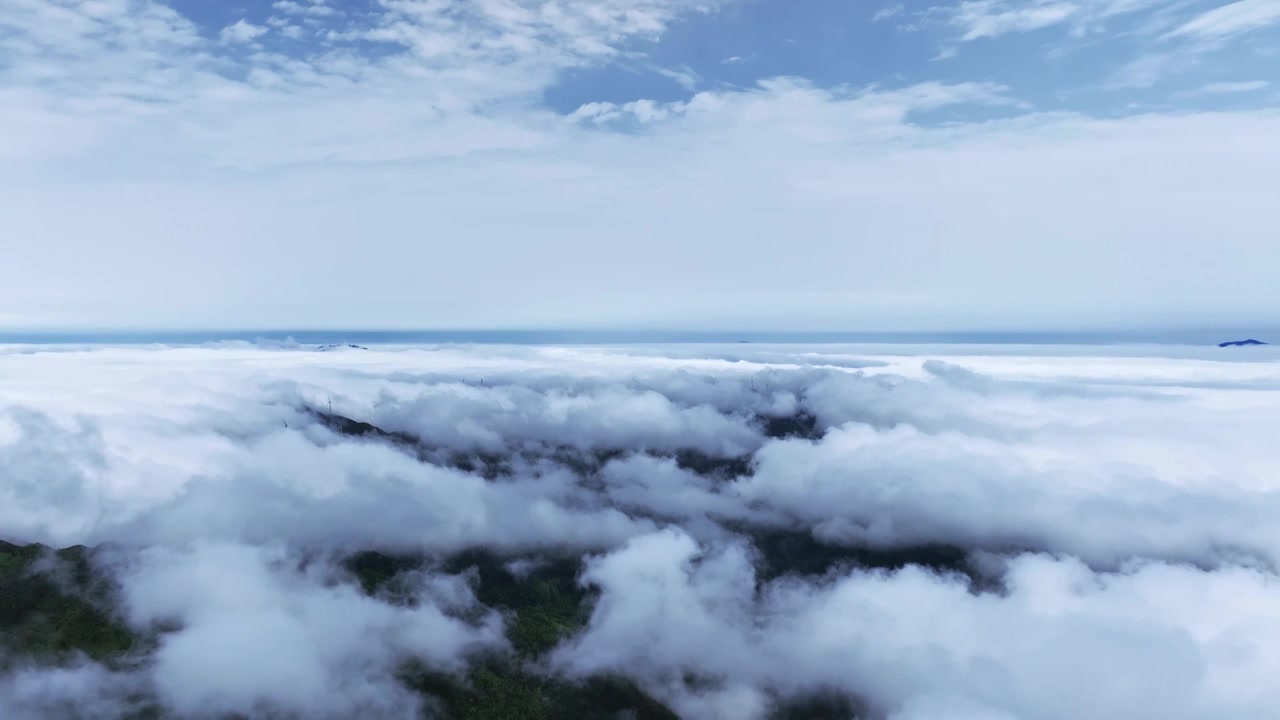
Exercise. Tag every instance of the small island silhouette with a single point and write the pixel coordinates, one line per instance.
(1240, 343)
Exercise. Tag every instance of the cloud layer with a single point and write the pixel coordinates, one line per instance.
(947, 533)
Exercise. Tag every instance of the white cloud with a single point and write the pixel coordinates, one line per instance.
(992, 461)
(991, 18)
(978, 19)
(1230, 88)
(799, 107)
(224, 186)
(1077, 479)
(257, 634)
(315, 9)
(912, 644)
(1231, 19)
(684, 76)
(242, 32)
(554, 34)
(111, 59)
(78, 690)
(1151, 69)
(489, 53)
(888, 11)
(1189, 42)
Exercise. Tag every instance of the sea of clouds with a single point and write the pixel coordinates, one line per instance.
(1118, 508)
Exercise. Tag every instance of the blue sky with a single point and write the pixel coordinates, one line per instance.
(628, 163)
(1074, 65)
(1092, 55)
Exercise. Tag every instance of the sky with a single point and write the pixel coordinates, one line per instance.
(676, 164)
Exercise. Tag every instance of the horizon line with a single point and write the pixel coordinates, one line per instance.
(280, 333)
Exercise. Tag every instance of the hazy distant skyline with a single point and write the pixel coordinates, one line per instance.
(675, 164)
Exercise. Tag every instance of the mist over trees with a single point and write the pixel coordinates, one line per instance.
(747, 532)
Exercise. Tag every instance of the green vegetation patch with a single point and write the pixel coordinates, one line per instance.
(798, 425)
(820, 706)
(506, 691)
(544, 603)
(794, 552)
(53, 605)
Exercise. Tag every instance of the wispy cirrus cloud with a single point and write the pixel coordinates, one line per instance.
(986, 19)
(1231, 88)
(1231, 19)
(991, 18)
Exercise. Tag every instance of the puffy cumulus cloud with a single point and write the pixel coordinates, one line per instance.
(242, 32)
(693, 620)
(259, 634)
(178, 445)
(901, 487)
(727, 506)
(259, 630)
(366, 495)
(182, 444)
(1099, 470)
(660, 487)
(604, 417)
(1060, 641)
(315, 8)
